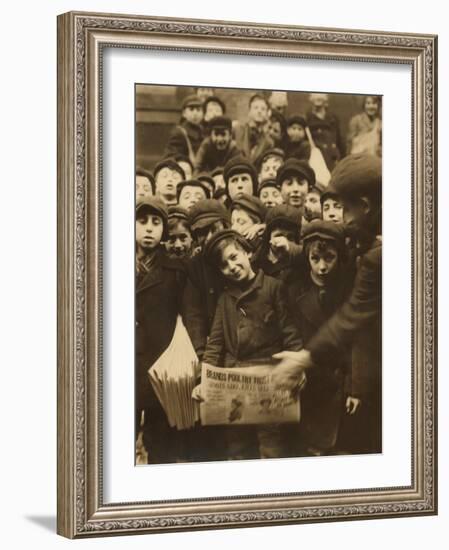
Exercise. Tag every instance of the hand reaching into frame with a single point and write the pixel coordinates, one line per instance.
(289, 373)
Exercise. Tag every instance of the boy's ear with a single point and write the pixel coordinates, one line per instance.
(366, 205)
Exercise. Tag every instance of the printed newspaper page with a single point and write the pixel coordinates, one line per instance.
(245, 395)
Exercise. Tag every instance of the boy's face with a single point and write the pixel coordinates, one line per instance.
(371, 106)
(270, 196)
(294, 190)
(149, 229)
(258, 111)
(179, 242)
(322, 260)
(205, 233)
(186, 168)
(312, 205)
(270, 168)
(332, 210)
(275, 130)
(241, 220)
(166, 183)
(235, 264)
(239, 184)
(357, 214)
(296, 132)
(319, 100)
(190, 195)
(213, 109)
(220, 137)
(193, 114)
(143, 188)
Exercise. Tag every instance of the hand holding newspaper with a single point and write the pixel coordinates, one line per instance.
(245, 395)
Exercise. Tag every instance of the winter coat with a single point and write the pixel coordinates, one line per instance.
(328, 383)
(185, 139)
(202, 289)
(209, 157)
(158, 302)
(299, 150)
(327, 137)
(251, 141)
(252, 324)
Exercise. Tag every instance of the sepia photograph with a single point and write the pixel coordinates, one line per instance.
(258, 274)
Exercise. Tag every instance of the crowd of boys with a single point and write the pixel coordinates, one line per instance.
(235, 234)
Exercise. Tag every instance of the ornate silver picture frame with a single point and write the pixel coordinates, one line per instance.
(82, 40)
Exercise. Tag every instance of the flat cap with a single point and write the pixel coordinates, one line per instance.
(206, 212)
(300, 168)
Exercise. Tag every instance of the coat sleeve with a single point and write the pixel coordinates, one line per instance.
(193, 316)
(362, 307)
(176, 144)
(215, 345)
(200, 158)
(291, 338)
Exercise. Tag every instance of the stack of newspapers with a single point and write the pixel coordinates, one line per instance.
(173, 377)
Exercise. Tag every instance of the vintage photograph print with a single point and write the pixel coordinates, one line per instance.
(258, 240)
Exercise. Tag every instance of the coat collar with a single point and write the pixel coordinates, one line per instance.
(257, 282)
(309, 306)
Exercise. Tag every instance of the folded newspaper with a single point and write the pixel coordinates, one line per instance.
(245, 395)
(173, 377)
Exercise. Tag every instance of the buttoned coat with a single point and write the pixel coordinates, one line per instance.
(252, 324)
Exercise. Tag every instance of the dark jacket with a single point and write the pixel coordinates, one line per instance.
(252, 141)
(327, 136)
(202, 289)
(299, 150)
(158, 302)
(357, 323)
(251, 324)
(209, 157)
(178, 143)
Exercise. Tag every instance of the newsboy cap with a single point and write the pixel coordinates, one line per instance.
(193, 183)
(296, 119)
(251, 204)
(220, 236)
(220, 123)
(239, 165)
(358, 175)
(272, 152)
(299, 167)
(270, 182)
(169, 163)
(326, 230)
(155, 206)
(283, 214)
(206, 212)
(192, 101)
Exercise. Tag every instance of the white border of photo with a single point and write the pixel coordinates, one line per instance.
(123, 481)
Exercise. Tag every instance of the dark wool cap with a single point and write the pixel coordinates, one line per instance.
(221, 235)
(267, 183)
(283, 214)
(206, 212)
(220, 123)
(299, 167)
(169, 163)
(329, 192)
(206, 178)
(156, 206)
(320, 229)
(192, 101)
(217, 171)
(251, 204)
(146, 173)
(192, 183)
(273, 152)
(297, 119)
(239, 165)
(358, 175)
(178, 212)
(214, 99)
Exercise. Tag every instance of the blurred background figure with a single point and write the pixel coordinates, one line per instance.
(325, 129)
(251, 137)
(144, 184)
(278, 102)
(365, 129)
